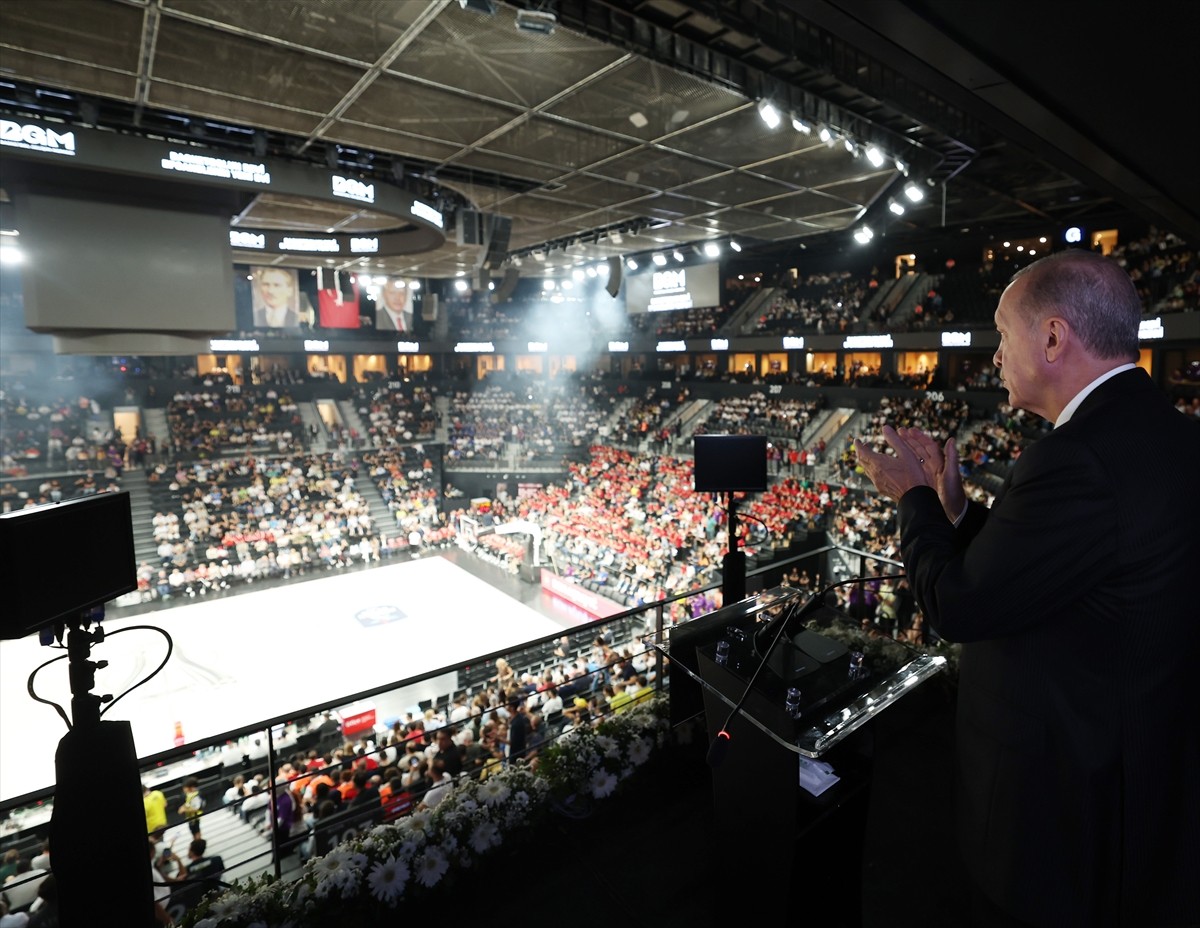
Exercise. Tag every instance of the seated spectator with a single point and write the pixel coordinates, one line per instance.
(202, 866)
(20, 889)
(12, 919)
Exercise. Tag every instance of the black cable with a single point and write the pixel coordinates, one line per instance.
(721, 742)
(62, 712)
(157, 670)
(36, 698)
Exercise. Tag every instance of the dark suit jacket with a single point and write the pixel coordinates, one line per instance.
(385, 323)
(1077, 600)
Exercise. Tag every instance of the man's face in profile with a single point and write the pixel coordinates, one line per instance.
(275, 289)
(397, 295)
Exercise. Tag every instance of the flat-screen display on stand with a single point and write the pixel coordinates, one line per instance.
(730, 463)
(40, 585)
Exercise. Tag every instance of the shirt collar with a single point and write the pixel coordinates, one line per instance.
(1069, 410)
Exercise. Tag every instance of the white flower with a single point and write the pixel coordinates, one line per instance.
(340, 869)
(431, 867)
(229, 906)
(339, 860)
(607, 746)
(388, 879)
(484, 836)
(493, 791)
(602, 783)
(468, 805)
(639, 751)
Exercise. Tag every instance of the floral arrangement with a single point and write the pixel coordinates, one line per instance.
(395, 863)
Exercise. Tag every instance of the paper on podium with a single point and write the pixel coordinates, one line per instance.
(816, 776)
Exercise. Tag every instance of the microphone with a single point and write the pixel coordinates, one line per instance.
(765, 637)
(770, 634)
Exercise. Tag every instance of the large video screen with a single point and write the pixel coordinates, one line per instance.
(93, 265)
(673, 288)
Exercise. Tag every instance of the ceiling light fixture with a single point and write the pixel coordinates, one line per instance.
(914, 193)
(863, 235)
(539, 21)
(712, 249)
(874, 155)
(801, 126)
(896, 207)
(734, 245)
(660, 259)
(678, 256)
(631, 264)
(769, 114)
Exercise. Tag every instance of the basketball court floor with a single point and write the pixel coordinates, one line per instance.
(262, 654)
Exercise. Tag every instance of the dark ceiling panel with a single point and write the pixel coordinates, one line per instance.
(629, 115)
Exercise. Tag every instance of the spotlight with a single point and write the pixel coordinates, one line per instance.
(863, 235)
(825, 135)
(850, 147)
(801, 126)
(896, 207)
(914, 193)
(734, 245)
(875, 156)
(769, 114)
(631, 264)
(712, 249)
(678, 256)
(539, 21)
(660, 260)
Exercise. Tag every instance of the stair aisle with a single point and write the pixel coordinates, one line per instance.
(145, 548)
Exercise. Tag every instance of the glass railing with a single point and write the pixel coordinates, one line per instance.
(367, 730)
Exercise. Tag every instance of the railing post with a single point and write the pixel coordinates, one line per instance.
(276, 857)
(658, 638)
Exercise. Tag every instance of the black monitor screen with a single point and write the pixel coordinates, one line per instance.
(40, 588)
(728, 463)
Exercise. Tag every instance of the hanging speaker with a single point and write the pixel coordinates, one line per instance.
(499, 231)
(506, 287)
(613, 285)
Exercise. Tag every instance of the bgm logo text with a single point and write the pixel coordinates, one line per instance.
(36, 138)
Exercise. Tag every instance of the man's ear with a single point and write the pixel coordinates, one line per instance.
(1056, 333)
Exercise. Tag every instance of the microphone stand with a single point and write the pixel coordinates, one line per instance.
(774, 630)
(97, 816)
(733, 565)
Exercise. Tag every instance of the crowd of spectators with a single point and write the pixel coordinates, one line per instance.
(393, 416)
(697, 322)
(56, 433)
(212, 422)
(534, 422)
(239, 520)
(1164, 269)
(820, 304)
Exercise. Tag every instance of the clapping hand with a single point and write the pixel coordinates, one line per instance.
(918, 461)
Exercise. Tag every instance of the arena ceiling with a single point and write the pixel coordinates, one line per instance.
(628, 127)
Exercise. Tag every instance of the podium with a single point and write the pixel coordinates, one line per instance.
(790, 786)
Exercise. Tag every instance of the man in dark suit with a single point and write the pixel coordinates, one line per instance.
(1074, 597)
